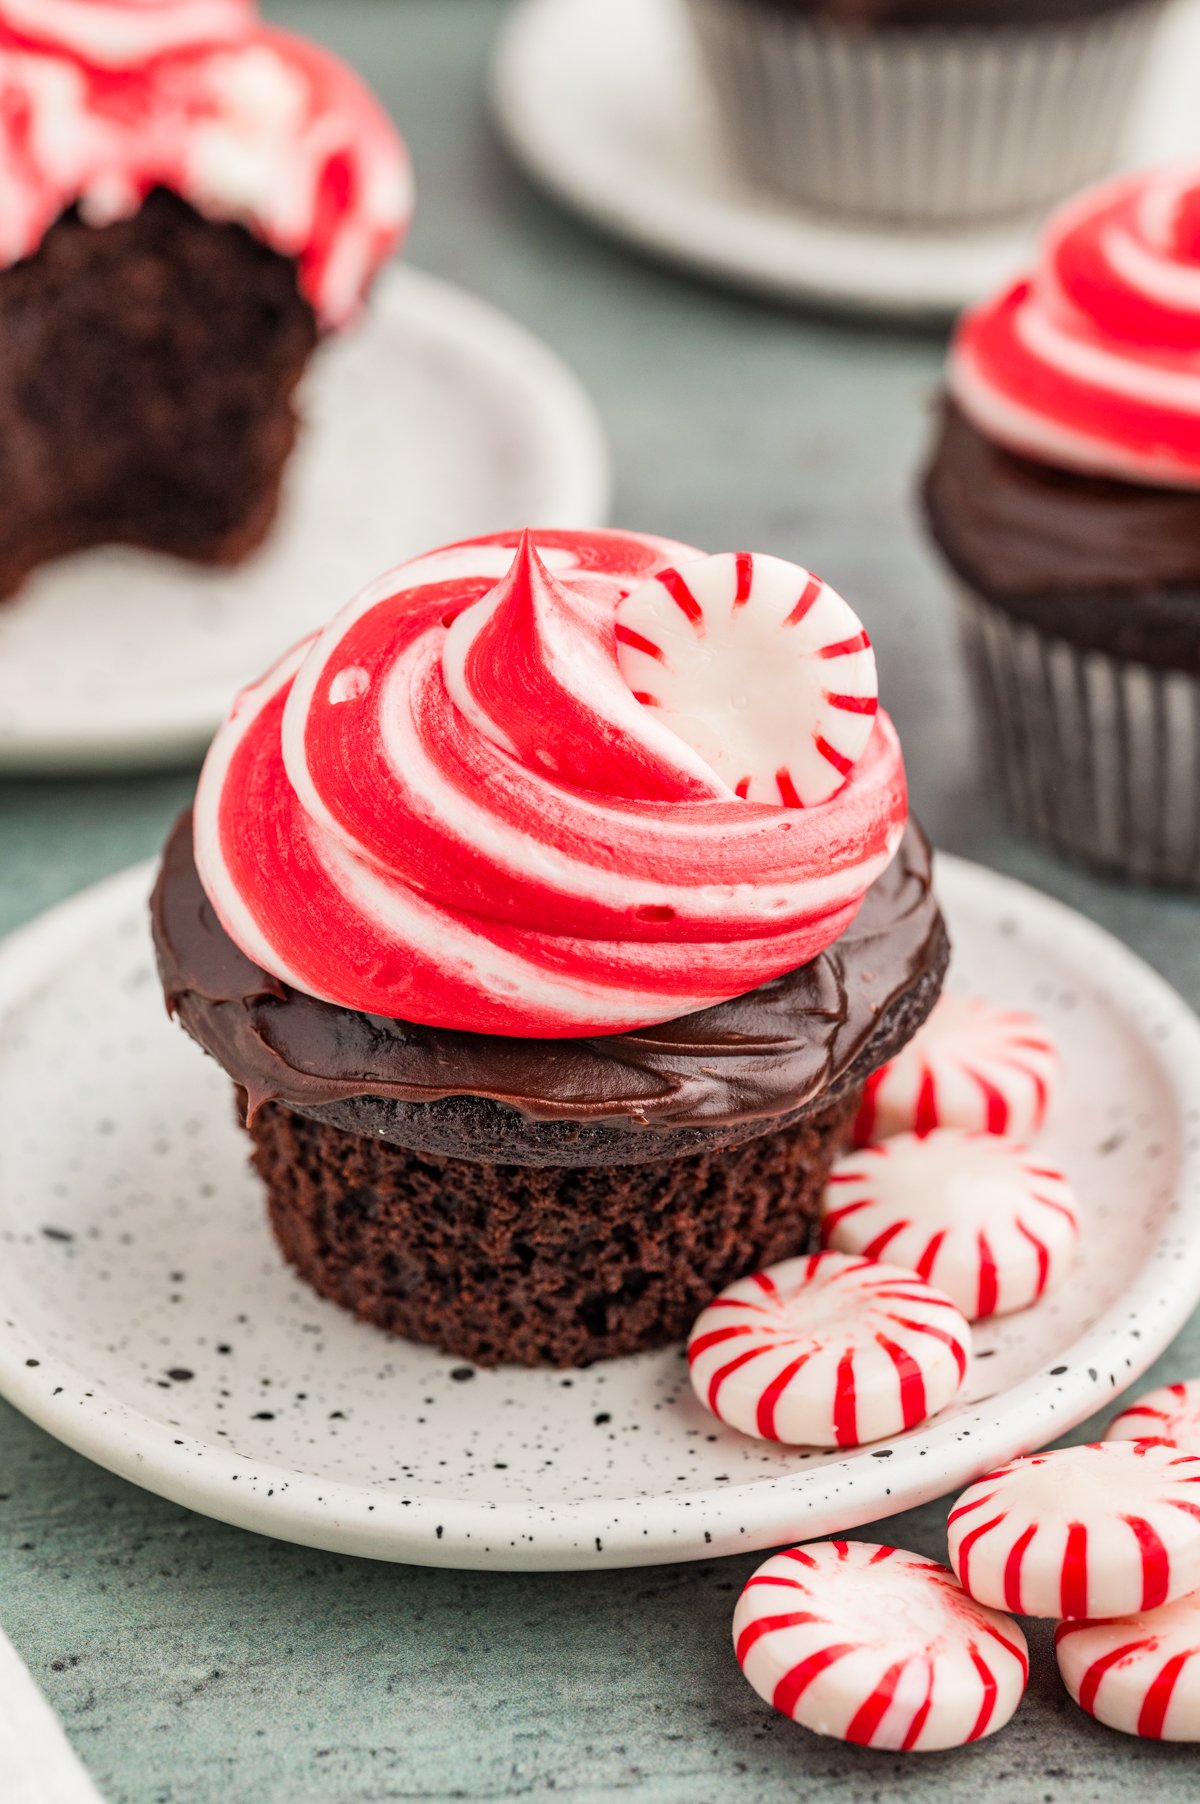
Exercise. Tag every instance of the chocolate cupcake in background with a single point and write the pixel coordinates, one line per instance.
(1064, 492)
(548, 997)
(925, 112)
(189, 200)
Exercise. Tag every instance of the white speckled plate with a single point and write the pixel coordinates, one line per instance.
(436, 419)
(147, 1320)
(605, 103)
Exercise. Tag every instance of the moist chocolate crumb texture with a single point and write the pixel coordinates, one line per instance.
(189, 199)
(549, 997)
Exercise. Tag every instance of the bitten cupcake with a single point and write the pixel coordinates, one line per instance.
(549, 911)
(925, 112)
(1065, 493)
(189, 200)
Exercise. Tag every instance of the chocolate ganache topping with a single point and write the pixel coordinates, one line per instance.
(1018, 528)
(725, 1073)
(1109, 566)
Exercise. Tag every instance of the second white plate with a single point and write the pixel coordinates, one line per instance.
(147, 1319)
(606, 104)
(437, 419)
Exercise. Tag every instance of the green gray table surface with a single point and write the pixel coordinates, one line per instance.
(194, 1664)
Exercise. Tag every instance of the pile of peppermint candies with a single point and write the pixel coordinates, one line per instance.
(945, 1214)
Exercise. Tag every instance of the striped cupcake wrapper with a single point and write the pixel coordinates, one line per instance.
(1098, 756)
(923, 126)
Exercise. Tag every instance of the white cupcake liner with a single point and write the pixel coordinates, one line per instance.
(923, 125)
(1098, 756)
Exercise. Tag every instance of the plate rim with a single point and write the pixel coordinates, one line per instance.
(686, 1525)
(747, 248)
(660, 229)
(579, 492)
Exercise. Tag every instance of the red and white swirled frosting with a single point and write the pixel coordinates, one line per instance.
(1092, 363)
(451, 808)
(103, 100)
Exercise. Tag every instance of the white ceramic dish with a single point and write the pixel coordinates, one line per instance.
(606, 104)
(438, 419)
(147, 1320)
(37, 1762)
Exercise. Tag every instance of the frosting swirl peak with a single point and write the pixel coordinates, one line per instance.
(1092, 363)
(451, 808)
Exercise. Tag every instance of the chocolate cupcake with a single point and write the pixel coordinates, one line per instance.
(549, 999)
(1065, 493)
(925, 112)
(190, 200)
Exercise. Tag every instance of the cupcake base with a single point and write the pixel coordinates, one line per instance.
(551, 1201)
(1098, 756)
(553, 1266)
(923, 125)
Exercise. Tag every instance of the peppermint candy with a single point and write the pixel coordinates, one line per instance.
(1139, 1674)
(1108, 1529)
(828, 1351)
(1170, 1417)
(760, 667)
(878, 1647)
(989, 1070)
(978, 1215)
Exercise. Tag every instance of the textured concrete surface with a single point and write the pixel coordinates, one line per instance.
(193, 1664)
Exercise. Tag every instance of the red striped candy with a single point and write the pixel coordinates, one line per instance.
(760, 667)
(878, 1647)
(1139, 1674)
(1170, 1416)
(990, 1070)
(828, 1351)
(980, 1216)
(1103, 1530)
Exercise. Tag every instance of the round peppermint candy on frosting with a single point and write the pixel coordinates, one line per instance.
(759, 666)
(877, 1647)
(1139, 1674)
(828, 1351)
(1103, 1530)
(1170, 1416)
(450, 808)
(1092, 363)
(972, 1065)
(977, 1215)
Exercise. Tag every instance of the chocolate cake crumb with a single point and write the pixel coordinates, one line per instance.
(537, 1265)
(147, 369)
